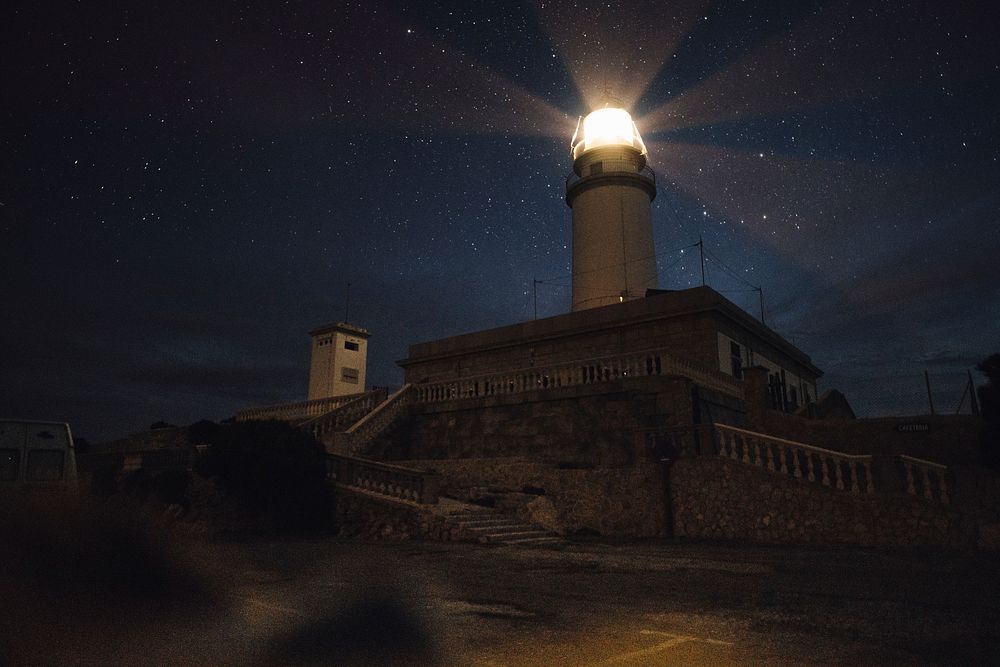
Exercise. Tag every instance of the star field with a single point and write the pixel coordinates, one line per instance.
(189, 188)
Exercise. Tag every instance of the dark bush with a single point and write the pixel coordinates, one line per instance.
(170, 487)
(203, 432)
(104, 482)
(989, 403)
(137, 485)
(272, 469)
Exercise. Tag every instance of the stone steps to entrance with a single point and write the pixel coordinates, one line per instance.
(495, 527)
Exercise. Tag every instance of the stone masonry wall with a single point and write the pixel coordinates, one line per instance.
(359, 514)
(716, 498)
(592, 424)
(615, 502)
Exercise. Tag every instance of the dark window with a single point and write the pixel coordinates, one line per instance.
(351, 345)
(10, 464)
(45, 465)
(349, 375)
(736, 359)
(793, 397)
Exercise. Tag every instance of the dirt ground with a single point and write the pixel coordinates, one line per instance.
(336, 601)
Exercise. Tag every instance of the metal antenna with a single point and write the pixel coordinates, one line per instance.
(701, 251)
(347, 304)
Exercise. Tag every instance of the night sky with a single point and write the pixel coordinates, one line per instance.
(187, 188)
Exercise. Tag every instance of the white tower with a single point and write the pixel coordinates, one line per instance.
(610, 191)
(339, 358)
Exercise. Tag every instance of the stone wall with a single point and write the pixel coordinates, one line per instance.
(595, 425)
(615, 502)
(359, 514)
(716, 498)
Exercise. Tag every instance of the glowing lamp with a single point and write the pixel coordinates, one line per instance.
(607, 127)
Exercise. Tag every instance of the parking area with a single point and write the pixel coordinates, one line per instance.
(336, 601)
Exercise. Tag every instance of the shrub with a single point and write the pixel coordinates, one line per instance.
(272, 469)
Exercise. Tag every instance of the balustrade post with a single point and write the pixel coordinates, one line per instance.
(870, 486)
(781, 455)
(928, 492)
(746, 449)
(812, 473)
(825, 473)
(722, 444)
(840, 474)
(855, 489)
(910, 487)
(756, 452)
(769, 450)
(796, 464)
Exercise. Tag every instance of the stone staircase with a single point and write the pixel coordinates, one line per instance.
(493, 526)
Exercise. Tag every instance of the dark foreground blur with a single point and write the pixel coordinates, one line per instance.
(84, 582)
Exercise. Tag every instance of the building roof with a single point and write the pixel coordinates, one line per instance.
(342, 327)
(655, 306)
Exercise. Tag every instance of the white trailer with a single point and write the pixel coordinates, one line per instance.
(36, 455)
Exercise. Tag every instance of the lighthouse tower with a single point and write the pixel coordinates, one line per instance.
(610, 191)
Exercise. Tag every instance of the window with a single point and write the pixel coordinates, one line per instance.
(349, 375)
(351, 345)
(10, 464)
(45, 465)
(736, 359)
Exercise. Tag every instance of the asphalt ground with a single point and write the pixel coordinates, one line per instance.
(343, 602)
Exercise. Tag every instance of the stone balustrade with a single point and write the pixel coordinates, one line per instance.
(354, 440)
(343, 417)
(407, 484)
(585, 372)
(296, 411)
(925, 478)
(673, 442)
(844, 472)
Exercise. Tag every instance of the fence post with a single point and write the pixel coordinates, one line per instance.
(930, 399)
(972, 392)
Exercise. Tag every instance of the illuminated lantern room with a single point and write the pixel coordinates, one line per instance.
(610, 126)
(610, 191)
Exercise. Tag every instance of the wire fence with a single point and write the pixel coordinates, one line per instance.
(908, 394)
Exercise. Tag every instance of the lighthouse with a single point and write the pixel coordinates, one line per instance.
(610, 191)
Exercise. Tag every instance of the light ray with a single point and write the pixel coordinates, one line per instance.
(817, 214)
(845, 50)
(458, 94)
(415, 83)
(620, 45)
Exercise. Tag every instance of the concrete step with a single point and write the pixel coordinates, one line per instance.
(491, 525)
(495, 521)
(530, 541)
(501, 529)
(473, 514)
(517, 535)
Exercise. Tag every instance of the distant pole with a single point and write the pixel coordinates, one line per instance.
(930, 399)
(760, 293)
(534, 295)
(347, 303)
(972, 392)
(961, 402)
(701, 251)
